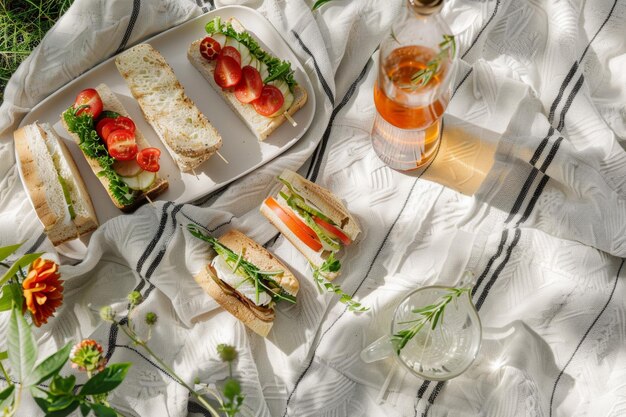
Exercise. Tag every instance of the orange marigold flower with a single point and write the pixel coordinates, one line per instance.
(43, 290)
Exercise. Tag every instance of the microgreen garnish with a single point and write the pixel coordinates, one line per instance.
(276, 68)
(447, 49)
(90, 143)
(320, 276)
(432, 314)
(296, 199)
(263, 280)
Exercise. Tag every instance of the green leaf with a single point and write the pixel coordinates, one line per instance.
(62, 385)
(4, 355)
(6, 396)
(7, 251)
(49, 366)
(61, 403)
(11, 293)
(319, 3)
(103, 411)
(65, 412)
(21, 346)
(85, 409)
(107, 380)
(20, 263)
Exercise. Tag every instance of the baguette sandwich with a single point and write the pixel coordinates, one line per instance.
(53, 183)
(185, 132)
(313, 220)
(259, 87)
(118, 153)
(245, 279)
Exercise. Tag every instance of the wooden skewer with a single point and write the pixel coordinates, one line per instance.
(221, 156)
(288, 117)
(150, 201)
(194, 173)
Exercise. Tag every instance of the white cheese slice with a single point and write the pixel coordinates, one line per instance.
(244, 286)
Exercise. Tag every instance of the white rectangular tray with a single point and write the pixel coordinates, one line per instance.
(240, 147)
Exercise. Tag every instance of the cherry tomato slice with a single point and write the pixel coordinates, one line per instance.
(250, 86)
(270, 101)
(122, 145)
(120, 122)
(294, 224)
(227, 72)
(232, 52)
(92, 100)
(333, 230)
(101, 123)
(210, 48)
(148, 159)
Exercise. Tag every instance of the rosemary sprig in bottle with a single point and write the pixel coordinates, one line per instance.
(447, 49)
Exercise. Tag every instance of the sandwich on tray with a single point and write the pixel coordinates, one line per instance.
(115, 149)
(313, 220)
(53, 183)
(185, 132)
(258, 86)
(245, 279)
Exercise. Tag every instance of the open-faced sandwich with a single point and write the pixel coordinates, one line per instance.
(245, 279)
(116, 150)
(259, 87)
(53, 183)
(185, 132)
(312, 219)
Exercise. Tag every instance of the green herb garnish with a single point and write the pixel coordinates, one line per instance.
(298, 200)
(90, 143)
(319, 275)
(68, 198)
(423, 76)
(432, 314)
(263, 280)
(277, 69)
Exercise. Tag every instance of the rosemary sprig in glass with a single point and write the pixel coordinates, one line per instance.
(447, 49)
(432, 314)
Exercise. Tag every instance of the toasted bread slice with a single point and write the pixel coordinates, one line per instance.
(260, 125)
(323, 200)
(111, 102)
(45, 161)
(186, 133)
(259, 319)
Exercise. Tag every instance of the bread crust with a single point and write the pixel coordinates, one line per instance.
(186, 133)
(110, 102)
(261, 126)
(231, 300)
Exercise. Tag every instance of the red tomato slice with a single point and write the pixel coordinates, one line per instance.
(120, 122)
(122, 145)
(250, 86)
(210, 48)
(333, 230)
(270, 101)
(232, 52)
(100, 125)
(92, 100)
(227, 72)
(148, 159)
(294, 224)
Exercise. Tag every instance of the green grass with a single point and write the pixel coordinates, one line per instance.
(23, 23)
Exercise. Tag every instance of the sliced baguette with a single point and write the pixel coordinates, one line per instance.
(43, 158)
(111, 102)
(260, 125)
(264, 260)
(185, 132)
(326, 202)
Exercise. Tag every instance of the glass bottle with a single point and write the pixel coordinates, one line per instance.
(413, 87)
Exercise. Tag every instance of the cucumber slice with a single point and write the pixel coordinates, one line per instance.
(281, 85)
(263, 70)
(231, 42)
(127, 168)
(246, 56)
(141, 181)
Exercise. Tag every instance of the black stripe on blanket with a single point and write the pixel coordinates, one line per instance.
(37, 244)
(325, 86)
(155, 239)
(493, 15)
(316, 164)
(131, 24)
(593, 323)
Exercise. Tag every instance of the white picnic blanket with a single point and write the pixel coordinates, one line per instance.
(544, 234)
